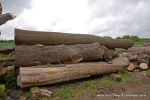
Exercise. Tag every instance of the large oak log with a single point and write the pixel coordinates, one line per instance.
(43, 75)
(28, 55)
(55, 38)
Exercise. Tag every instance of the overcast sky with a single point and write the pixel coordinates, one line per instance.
(99, 17)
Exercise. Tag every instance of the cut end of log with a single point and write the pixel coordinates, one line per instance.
(143, 66)
(131, 67)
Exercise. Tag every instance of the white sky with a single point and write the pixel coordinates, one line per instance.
(100, 17)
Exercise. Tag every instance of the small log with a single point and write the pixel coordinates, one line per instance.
(116, 77)
(131, 67)
(143, 66)
(24, 37)
(7, 60)
(35, 76)
(9, 63)
(146, 44)
(40, 92)
(29, 55)
(140, 50)
(6, 17)
(6, 50)
(2, 71)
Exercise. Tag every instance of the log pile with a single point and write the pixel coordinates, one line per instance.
(6, 54)
(138, 56)
(52, 57)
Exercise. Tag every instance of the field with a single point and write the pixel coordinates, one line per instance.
(9, 43)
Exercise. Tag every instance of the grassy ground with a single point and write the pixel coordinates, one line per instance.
(70, 91)
(6, 44)
(73, 89)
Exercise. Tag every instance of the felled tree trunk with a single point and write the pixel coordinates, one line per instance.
(43, 75)
(28, 55)
(54, 38)
(140, 50)
(6, 17)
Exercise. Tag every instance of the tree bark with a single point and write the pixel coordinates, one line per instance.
(43, 75)
(54, 38)
(6, 17)
(140, 50)
(28, 55)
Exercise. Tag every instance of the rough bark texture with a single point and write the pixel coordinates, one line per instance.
(6, 17)
(28, 55)
(140, 50)
(32, 76)
(55, 38)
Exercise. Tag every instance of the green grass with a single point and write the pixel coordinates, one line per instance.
(2, 91)
(2, 45)
(27, 94)
(11, 80)
(72, 90)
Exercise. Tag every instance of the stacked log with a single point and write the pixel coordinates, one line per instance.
(52, 57)
(25, 37)
(31, 55)
(44, 75)
(5, 51)
(138, 56)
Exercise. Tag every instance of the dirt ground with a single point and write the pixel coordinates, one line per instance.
(136, 91)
